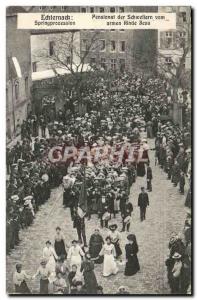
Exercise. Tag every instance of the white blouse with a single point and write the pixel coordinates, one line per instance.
(18, 278)
(75, 251)
(108, 250)
(114, 236)
(48, 252)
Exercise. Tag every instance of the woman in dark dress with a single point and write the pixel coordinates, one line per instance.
(141, 171)
(95, 245)
(59, 244)
(131, 248)
(90, 282)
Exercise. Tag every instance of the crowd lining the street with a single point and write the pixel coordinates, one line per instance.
(142, 105)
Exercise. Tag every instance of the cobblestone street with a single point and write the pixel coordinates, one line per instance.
(165, 214)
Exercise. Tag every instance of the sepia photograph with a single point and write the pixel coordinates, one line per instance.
(99, 150)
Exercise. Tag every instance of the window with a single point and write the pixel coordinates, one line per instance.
(51, 48)
(122, 46)
(113, 64)
(92, 9)
(112, 9)
(121, 9)
(182, 39)
(83, 9)
(40, 8)
(101, 10)
(168, 34)
(63, 8)
(34, 66)
(169, 39)
(168, 61)
(113, 46)
(16, 89)
(92, 60)
(102, 45)
(122, 30)
(103, 63)
(122, 65)
(182, 34)
(26, 86)
(183, 16)
(68, 60)
(51, 8)
(112, 29)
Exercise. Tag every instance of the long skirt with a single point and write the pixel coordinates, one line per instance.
(118, 249)
(132, 266)
(60, 248)
(109, 266)
(141, 169)
(76, 260)
(22, 289)
(90, 282)
(44, 286)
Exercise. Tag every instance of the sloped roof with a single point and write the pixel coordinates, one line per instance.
(51, 73)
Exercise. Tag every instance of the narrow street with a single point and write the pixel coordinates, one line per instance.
(165, 214)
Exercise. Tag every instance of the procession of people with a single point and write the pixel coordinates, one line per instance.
(97, 158)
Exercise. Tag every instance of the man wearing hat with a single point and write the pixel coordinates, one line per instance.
(143, 202)
(79, 224)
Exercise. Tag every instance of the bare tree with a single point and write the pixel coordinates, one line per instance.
(69, 56)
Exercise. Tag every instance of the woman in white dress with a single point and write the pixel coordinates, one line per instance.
(109, 265)
(75, 254)
(50, 255)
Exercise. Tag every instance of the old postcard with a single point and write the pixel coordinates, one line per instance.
(98, 150)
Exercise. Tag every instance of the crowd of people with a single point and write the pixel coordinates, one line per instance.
(74, 273)
(179, 260)
(115, 120)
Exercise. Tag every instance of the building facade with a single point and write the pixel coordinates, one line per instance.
(171, 42)
(119, 50)
(51, 50)
(18, 73)
(116, 50)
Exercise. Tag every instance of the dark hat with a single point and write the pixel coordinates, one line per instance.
(77, 283)
(43, 261)
(131, 237)
(113, 226)
(74, 241)
(18, 266)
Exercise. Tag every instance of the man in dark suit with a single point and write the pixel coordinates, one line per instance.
(143, 202)
(79, 224)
